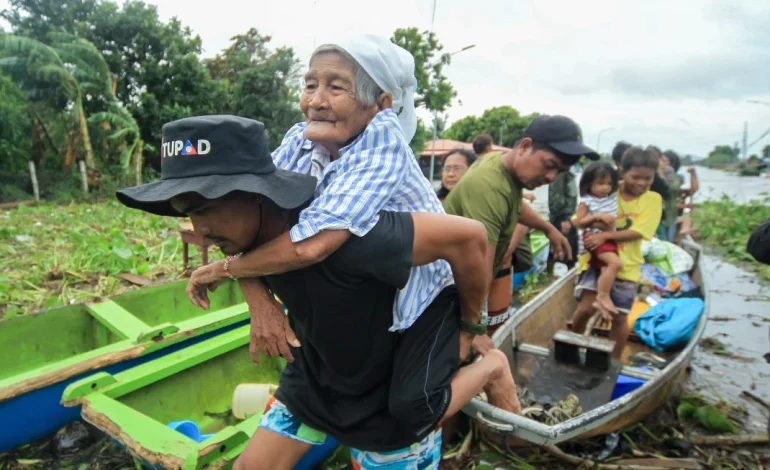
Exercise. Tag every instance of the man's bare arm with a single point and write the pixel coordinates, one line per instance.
(281, 255)
(518, 235)
(532, 219)
(463, 244)
(560, 247)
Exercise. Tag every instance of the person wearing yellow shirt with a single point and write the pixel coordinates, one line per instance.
(639, 213)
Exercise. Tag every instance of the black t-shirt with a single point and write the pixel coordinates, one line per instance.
(341, 310)
(660, 186)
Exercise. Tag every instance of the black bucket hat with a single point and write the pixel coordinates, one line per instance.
(560, 133)
(213, 156)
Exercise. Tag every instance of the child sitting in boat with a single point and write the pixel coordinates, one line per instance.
(597, 213)
(639, 212)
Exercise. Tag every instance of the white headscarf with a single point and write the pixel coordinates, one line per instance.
(392, 69)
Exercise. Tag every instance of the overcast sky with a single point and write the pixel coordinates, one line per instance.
(673, 73)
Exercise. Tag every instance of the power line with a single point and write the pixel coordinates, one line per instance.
(764, 134)
(433, 16)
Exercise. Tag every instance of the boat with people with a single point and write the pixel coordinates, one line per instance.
(164, 415)
(569, 386)
(45, 351)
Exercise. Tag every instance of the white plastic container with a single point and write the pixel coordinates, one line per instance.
(251, 399)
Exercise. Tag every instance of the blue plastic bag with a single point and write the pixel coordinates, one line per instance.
(669, 324)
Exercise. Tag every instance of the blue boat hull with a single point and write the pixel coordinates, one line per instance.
(38, 413)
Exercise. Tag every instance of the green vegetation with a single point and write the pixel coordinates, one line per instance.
(721, 155)
(533, 285)
(727, 226)
(433, 88)
(52, 255)
(95, 80)
(491, 122)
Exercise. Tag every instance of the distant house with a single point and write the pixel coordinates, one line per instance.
(443, 148)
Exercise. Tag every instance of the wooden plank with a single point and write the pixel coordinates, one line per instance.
(134, 279)
(688, 464)
(605, 332)
(729, 439)
(583, 341)
(119, 320)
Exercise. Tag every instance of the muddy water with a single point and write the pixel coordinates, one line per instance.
(713, 184)
(742, 303)
(741, 189)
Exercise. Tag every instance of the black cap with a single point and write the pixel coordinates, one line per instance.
(561, 134)
(213, 156)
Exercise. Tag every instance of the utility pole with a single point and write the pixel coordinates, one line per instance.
(435, 113)
(599, 137)
(433, 148)
(745, 152)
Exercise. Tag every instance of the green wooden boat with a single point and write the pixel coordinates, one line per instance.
(195, 384)
(45, 351)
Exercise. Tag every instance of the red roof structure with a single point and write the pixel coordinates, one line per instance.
(445, 146)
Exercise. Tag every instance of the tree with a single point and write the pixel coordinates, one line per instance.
(71, 67)
(721, 155)
(766, 151)
(127, 131)
(464, 129)
(37, 18)
(160, 76)
(15, 127)
(421, 135)
(435, 91)
(262, 84)
(492, 121)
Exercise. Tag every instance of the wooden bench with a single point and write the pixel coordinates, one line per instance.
(567, 347)
(190, 238)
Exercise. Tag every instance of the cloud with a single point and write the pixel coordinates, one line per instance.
(717, 52)
(707, 77)
(639, 67)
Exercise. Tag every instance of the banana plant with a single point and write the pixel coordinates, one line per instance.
(70, 67)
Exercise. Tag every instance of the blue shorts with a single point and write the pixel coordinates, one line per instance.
(424, 455)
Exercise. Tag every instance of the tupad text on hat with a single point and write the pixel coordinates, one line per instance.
(173, 148)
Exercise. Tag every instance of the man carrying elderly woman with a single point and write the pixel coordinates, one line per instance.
(359, 107)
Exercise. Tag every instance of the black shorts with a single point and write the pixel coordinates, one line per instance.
(427, 359)
(572, 238)
(408, 403)
(502, 273)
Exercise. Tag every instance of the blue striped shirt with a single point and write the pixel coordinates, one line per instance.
(376, 172)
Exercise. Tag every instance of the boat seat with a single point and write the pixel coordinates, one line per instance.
(567, 346)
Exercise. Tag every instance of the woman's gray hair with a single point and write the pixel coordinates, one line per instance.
(367, 90)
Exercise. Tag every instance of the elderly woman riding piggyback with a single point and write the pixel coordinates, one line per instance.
(358, 102)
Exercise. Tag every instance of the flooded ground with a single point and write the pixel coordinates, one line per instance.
(740, 319)
(741, 189)
(713, 184)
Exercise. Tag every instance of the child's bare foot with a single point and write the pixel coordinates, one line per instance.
(605, 305)
(605, 314)
(501, 390)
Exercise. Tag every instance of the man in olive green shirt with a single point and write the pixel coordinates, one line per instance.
(491, 190)
(493, 199)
